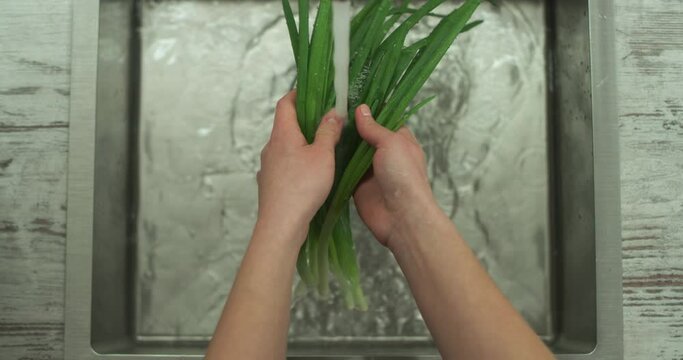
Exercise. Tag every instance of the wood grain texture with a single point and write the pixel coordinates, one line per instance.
(34, 90)
(34, 101)
(650, 46)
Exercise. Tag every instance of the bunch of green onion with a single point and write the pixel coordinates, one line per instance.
(385, 73)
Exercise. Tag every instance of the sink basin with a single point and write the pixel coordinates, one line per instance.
(173, 100)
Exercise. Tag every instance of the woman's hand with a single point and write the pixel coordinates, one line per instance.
(396, 194)
(295, 177)
(294, 180)
(461, 305)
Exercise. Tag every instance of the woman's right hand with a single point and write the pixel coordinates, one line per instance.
(395, 197)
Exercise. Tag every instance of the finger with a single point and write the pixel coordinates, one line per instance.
(329, 131)
(404, 131)
(367, 192)
(285, 123)
(372, 132)
(372, 209)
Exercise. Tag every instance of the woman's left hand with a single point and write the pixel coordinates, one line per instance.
(296, 177)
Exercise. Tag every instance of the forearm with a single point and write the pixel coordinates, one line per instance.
(255, 319)
(461, 305)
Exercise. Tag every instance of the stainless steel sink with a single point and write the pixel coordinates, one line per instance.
(172, 101)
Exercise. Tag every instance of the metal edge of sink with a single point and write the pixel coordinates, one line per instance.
(79, 274)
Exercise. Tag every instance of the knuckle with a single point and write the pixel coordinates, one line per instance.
(274, 138)
(321, 148)
(326, 131)
(421, 155)
(281, 104)
(380, 155)
(328, 150)
(396, 140)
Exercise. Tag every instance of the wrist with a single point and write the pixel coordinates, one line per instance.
(287, 230)
(418, 224)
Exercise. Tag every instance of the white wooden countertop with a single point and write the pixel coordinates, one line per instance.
(35, 48)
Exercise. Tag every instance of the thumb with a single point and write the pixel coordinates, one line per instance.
(369, 129)
(329, 131)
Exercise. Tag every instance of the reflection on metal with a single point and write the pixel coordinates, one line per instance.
(211, 73)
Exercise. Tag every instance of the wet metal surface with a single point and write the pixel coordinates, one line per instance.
(211, 73)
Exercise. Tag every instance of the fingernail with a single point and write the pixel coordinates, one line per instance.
(365, 110)
(332, 120)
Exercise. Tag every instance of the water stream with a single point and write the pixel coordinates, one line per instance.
(341, 19)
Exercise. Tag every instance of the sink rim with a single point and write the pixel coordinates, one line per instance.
(80, 186)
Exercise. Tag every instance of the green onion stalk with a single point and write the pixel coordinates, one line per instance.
(385, 73)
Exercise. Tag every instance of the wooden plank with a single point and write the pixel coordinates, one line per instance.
(650, 43)
(34, 101)
(32, 240)
(35, 41)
